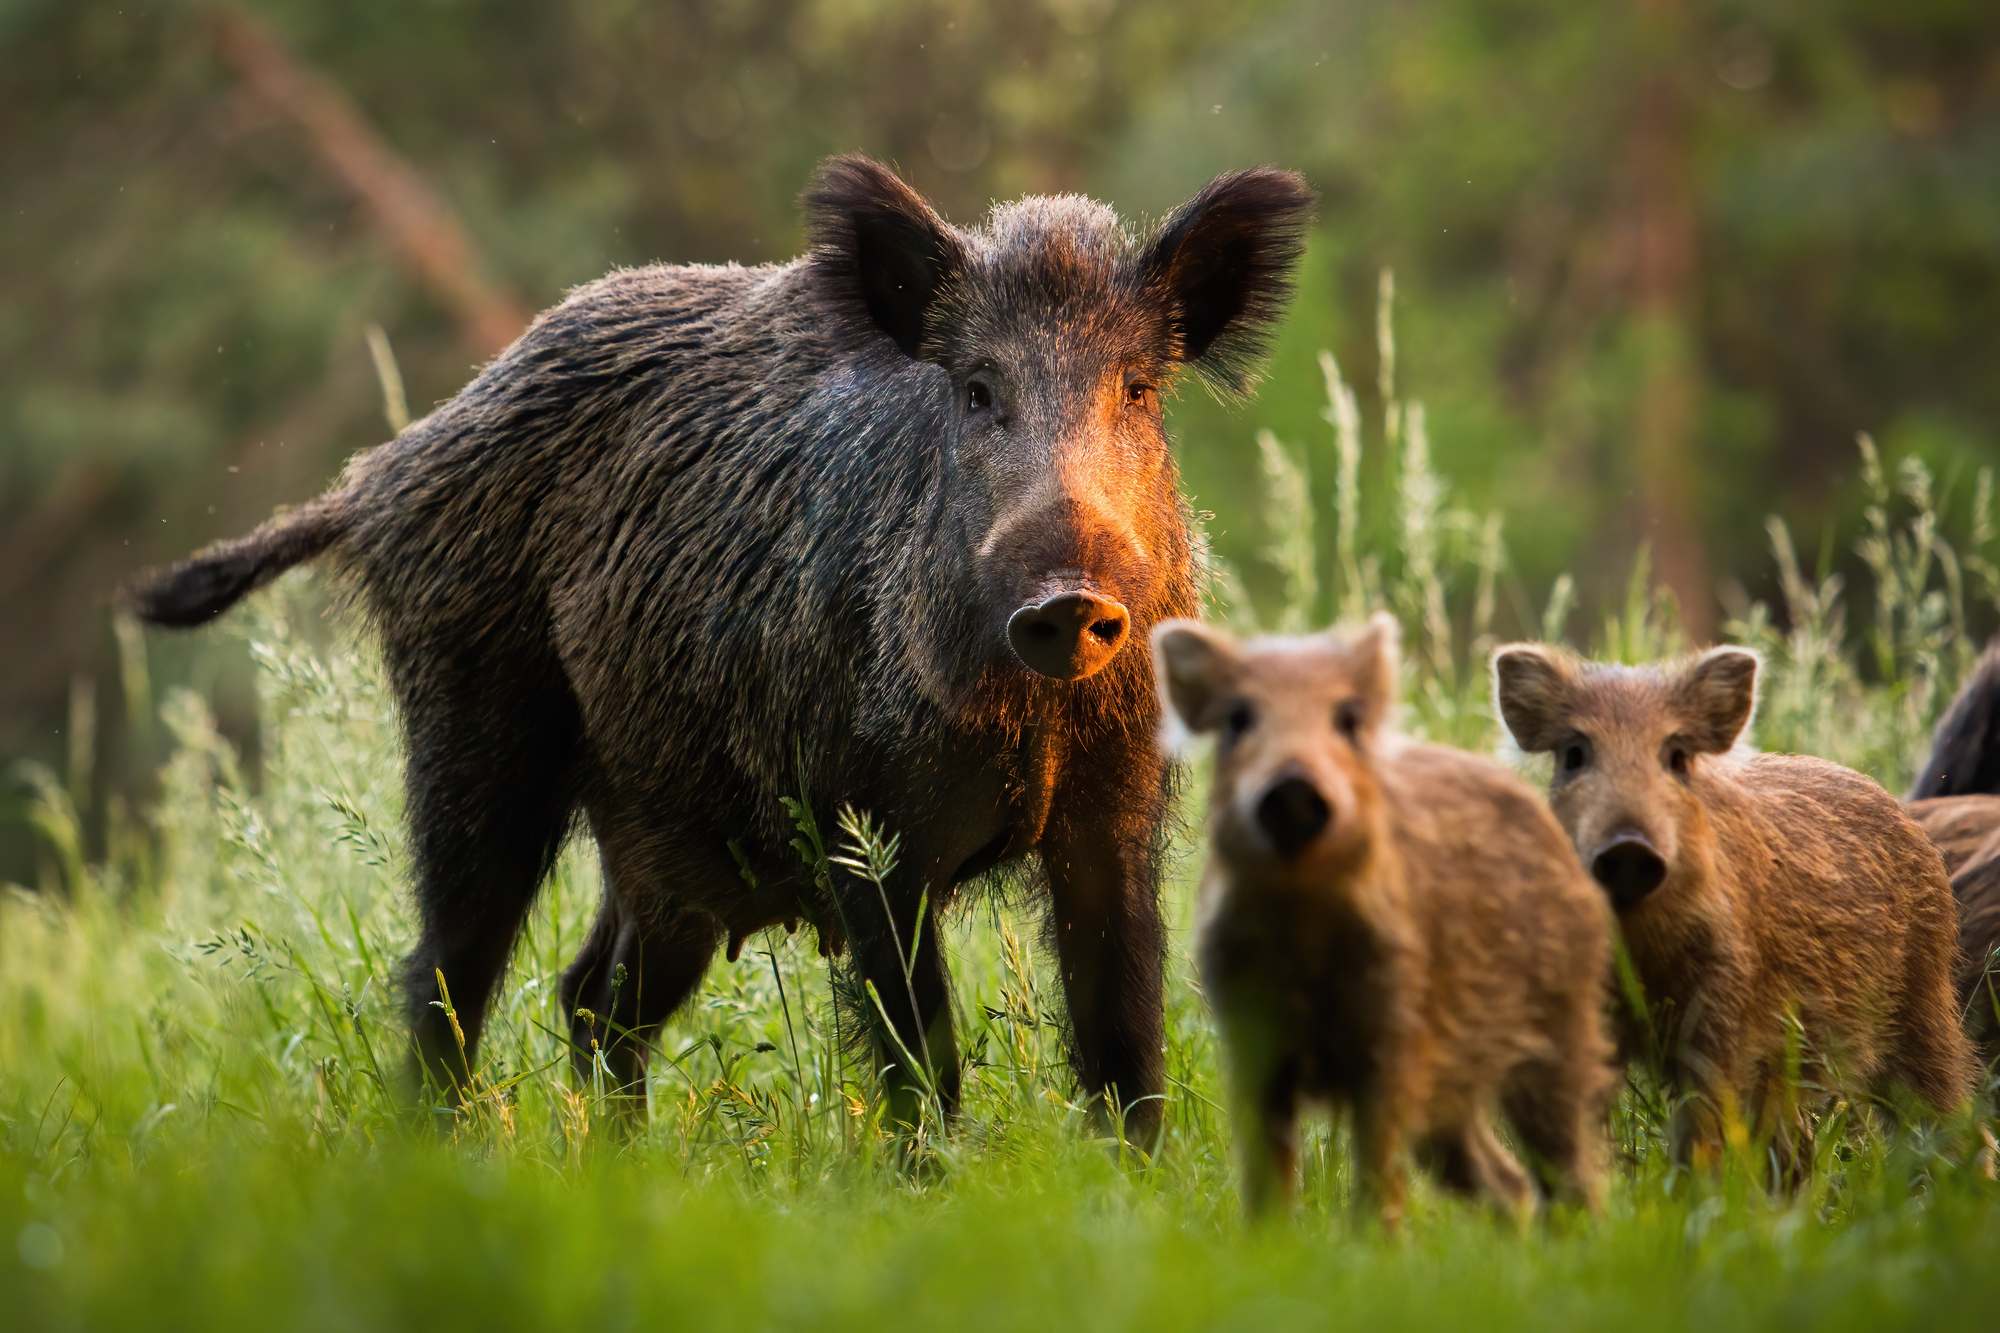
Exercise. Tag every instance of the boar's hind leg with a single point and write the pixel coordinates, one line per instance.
(491, 796)
(628, 978)
(1105, 916)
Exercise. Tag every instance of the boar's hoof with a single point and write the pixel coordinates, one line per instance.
(1630, 869)
(1069, 636)
(1292, 813)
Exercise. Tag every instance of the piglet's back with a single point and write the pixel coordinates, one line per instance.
(1797, 825)
(1506, 887)
(1850, 904)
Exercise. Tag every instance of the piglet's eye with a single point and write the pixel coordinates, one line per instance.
(978, 396)
(1678, 761)
(1573, 757)
(1347, 718)
(1241, 718)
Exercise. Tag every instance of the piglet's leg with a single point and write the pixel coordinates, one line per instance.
(1471, 1160)
(1267, 1113)
(1378, 1168)
(1703, 1075)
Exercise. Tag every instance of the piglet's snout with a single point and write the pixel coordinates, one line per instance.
(1629, 867)
(1292, 813)
(1070, 635)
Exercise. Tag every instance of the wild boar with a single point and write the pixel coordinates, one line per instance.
(876, 527)
(1791, 927)
(1387, 926)
(1956, 800)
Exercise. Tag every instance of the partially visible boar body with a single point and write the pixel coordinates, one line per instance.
(874, 527)
(1792, 927)
(1956, 800)
(1388, 926)
(1966, 832)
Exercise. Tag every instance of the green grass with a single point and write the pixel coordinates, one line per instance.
(198, 1049)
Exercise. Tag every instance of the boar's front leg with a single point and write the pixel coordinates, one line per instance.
(900, 959)
(1100, 850)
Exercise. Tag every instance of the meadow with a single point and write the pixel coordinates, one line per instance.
(201, 1122)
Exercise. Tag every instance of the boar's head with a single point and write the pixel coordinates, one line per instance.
(1628, 745)
(1057, 331)
(1297, 722)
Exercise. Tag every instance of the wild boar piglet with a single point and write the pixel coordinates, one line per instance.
(1792, 928)
(1391, 927)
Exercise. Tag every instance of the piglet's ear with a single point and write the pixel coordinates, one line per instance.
(1531, 687)
(885, 253)
(1196, 667)
(1223, 263)
(1717, 696)
(1378, 655)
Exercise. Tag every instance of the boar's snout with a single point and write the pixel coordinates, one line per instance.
(1629, 868)
(1070, 635)
(1292, 813)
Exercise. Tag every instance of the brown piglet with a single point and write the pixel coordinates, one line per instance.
(1792, 928)
(1388, 926)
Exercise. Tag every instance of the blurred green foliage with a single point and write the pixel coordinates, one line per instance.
(1670, 254)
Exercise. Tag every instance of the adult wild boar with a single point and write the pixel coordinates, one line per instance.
(1778, 908)
(891, 520)
(1956, 800)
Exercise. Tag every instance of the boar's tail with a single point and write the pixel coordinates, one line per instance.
(1965, 751)
(202, 587)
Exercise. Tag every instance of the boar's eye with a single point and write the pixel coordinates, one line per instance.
(1138, 395)
(977, 396)
(1241, 718)
(1574, 756)
(1347, 718)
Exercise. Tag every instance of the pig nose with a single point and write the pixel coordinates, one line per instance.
(1069, 636)
(1292, 813)
(1629, 868)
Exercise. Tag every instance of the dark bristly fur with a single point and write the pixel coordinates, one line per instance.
(1965, 748)
(1956, 800)
(701, 529)
(1423, 950)
(197, 590)
(1776, 888)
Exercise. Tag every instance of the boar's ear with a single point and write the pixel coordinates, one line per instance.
(1717, 696)
(1195, 666)
(1531, 689)
(1378, 654)
(1222, 263)
(885, 253)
